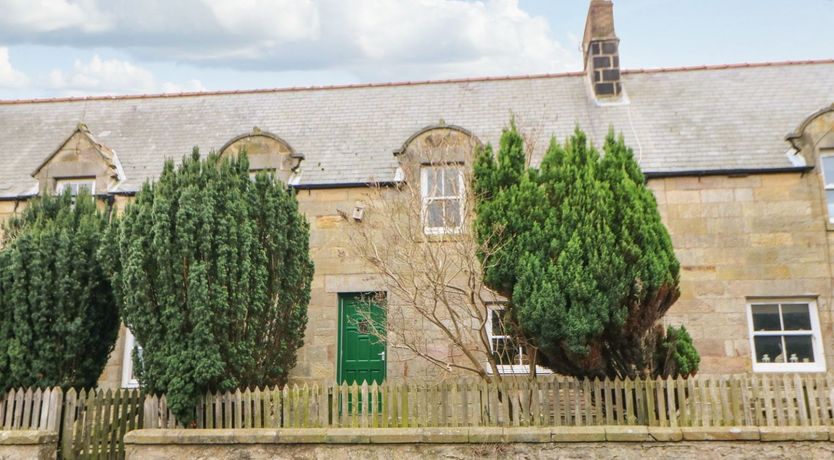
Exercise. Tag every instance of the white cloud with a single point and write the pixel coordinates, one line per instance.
(22, 16)
(373, 39)
(9, 76)
(112, 76)
(272, 21)
(453, 38)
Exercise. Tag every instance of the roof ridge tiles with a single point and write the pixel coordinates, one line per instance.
(403, 83)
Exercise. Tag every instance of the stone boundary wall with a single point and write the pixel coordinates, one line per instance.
(28, 444)
(624, 442)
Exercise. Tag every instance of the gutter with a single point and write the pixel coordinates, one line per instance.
(295, 186)
(726, 172)
(738, 172)
(389, 183)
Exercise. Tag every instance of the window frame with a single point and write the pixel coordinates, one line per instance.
(253, 173)
(816, 336)
(63, 182)
(826, 187)
(506, 369)
(426, 199)
(129, 379)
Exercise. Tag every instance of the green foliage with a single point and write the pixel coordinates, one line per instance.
(58, 317)
(579, 247)
(676, 354)
(213, 273)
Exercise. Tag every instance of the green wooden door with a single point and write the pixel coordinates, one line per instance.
(361, 353)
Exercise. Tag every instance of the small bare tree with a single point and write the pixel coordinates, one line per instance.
(418, 238)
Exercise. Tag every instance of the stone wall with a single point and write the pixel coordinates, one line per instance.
(563, 442)
(28, 444)
(741, 237)
(736, 237)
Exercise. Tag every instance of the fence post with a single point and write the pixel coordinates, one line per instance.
(650, 401)
(69, 423)
(683, 402)
(628, 389)
(53, 416)
(800, 399)
(149, 411)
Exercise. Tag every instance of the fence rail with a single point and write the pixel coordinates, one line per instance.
(738, 400)
(92, 423)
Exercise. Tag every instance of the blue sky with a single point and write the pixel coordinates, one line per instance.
(52, 48)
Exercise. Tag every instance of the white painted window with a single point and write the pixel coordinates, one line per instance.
(827, 162)
(785, 336)
(442, 188)
(75, 186)
(129, 379)
(510, 357)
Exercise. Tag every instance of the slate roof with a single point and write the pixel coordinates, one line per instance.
(685, 119)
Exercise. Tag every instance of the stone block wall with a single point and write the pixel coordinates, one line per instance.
(740, 237)
(339, 270)
(28, 444)
(418, 443)
(736, 237)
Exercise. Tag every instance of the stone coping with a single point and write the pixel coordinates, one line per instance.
(474, 435)
(27, 437)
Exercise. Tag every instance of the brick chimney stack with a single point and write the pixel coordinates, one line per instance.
(601, 49)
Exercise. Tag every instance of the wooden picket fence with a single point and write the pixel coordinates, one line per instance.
(737, 400)
(95, 422)
(92, 423)
(31, 410)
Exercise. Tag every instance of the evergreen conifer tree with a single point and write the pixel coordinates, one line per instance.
(58, 316)
(579, 247)
(213, 273)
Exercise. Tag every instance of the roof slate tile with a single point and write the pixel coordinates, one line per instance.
(677, 120)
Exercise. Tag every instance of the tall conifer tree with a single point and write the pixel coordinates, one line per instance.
(583, 255)
(58, 317)
(213, 272)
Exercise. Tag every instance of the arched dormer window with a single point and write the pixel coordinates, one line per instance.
(813, 140)
(266, 152)
(80, 162)
(438, 159)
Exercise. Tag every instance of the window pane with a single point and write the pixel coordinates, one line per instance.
(769, 349)
(432, 182)
(828, 170)
(505, 352)
(796, 317)
(434, 214)
(829, 194)
(452, 209)
(766, 318)
(800, 348)
(497, 320)
(73, 187)
(451, 181)
(523, 358)
(133, 369)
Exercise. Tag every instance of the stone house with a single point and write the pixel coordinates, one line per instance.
(740, 157)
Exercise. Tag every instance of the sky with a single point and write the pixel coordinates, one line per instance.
(59, 48)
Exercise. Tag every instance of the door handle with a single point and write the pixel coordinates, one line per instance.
(382, 354)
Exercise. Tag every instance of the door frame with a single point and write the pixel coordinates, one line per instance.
(339, 348)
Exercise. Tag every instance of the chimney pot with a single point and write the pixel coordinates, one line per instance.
(600, 46)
